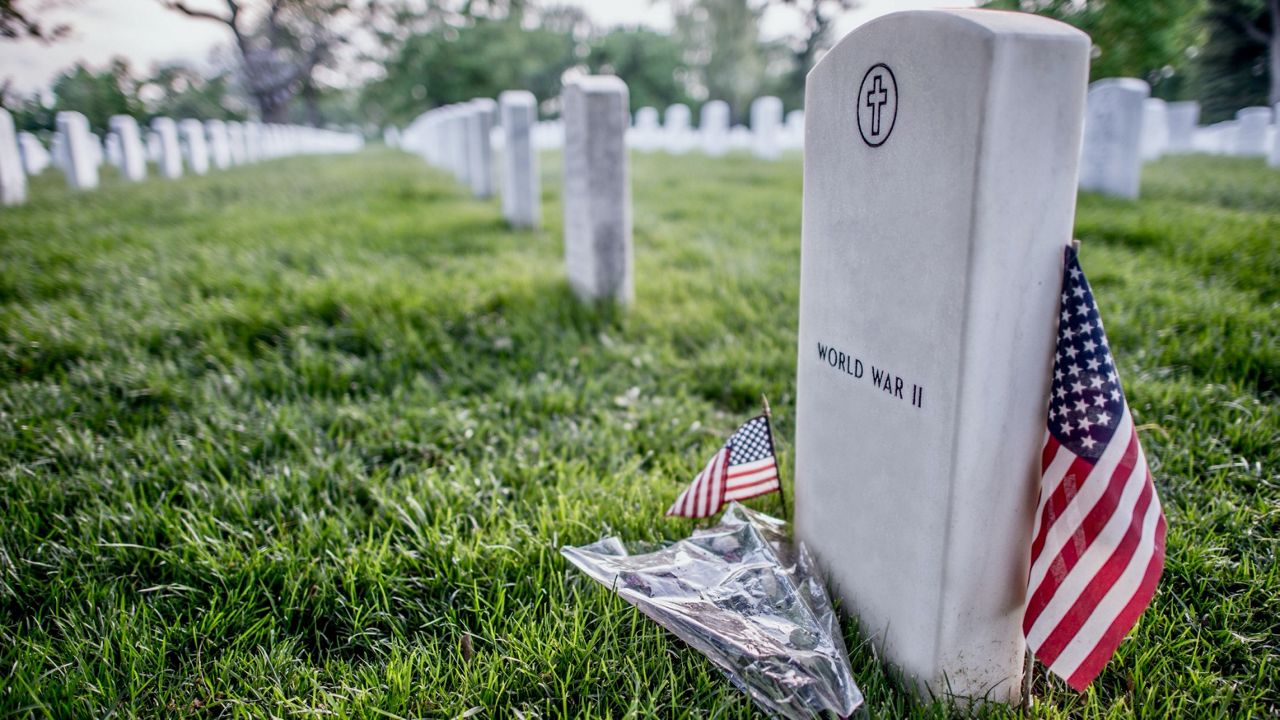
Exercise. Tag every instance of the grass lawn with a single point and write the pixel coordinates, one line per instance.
(305, 438)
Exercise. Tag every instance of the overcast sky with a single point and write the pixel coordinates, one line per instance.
(145, 33)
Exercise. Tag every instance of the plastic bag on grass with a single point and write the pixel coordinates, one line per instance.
(744, 596)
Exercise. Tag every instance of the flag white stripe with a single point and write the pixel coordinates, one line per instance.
(1117, 597)
(738, 494)
(1092, 488)
(735, 482)
(1057, 469)
(1091, 561)
(745, 467)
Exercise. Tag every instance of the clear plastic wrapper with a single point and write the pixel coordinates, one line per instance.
(743, 595)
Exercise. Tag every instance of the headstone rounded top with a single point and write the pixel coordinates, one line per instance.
(1121, 83)
(600, 84)
(517, 97)
(483, 103)
(1252, 112)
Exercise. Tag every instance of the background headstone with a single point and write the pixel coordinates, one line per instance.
(521, 188)
(1273, 160)
(1252, 124)
(1155, 129)
(197, 150)
(479, 151)
(35, 158)
(677, 135)
(766, 127)
(646, 136)
(13, 176)
(218, 143)
(713, 127)
(1182, 118)
(133, 156)
(933, 236)
(597, 189)
(81, 148)
(1111, 163)
(170, 161)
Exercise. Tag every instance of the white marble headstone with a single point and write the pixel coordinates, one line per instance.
(197, 150)
(713, 127)
(479, 151)
(646, 135)
(133, 156)
(170, 160)
(1155, 129)
(1251, 131)
(82, 150)
(1273, 159)
(1111, 162)
(677, 134)
(35, 158)
(521, 186)
(939, 192)
(766, 127)
(219, 144)
(13, 176)
(1182, 118)
(597, 189)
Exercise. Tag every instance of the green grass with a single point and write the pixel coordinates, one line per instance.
(305, 438)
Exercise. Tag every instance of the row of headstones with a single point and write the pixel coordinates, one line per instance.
(171, 145)
(595, 120)
(767, 137)
(1125, 127)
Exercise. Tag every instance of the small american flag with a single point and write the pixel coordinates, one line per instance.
(1097, 550)
(744, 468)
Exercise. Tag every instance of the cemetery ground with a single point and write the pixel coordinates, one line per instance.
(304, 438)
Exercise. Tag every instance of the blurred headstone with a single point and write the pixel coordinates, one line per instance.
(81, 149)
(1155, 129)
(13, 176)
(35, 158)
(597, 189)
(170, 160)
(479, 151)
(766, 127)
(1251, 131)
(521, 191)
(1111, 163)
(133, 156)
(646, 136)
(932, 241)
(219, 143)
(677, 135)
(713, 127)
(197, 150)
(1182, 118)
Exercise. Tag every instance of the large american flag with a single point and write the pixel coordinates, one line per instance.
(1098, 545)
(744, 468)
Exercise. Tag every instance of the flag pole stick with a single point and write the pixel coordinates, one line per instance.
(1028, 673)
(782, 494)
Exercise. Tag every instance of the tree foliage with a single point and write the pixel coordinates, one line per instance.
(1231, 68)
(97, 94)
(1145, 39)
(650, 62)
(480, 59)
(18, 21)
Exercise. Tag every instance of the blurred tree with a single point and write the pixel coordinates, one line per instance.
(1145, 39)
(1237, 65)
(28, 112)
(18, 21)
(815, 38)
(282, 43)
(179, 91)
(98, 95)
(651, 63)
(479, 59)
(722, 48)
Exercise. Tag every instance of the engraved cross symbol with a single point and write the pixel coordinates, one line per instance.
(877, 98)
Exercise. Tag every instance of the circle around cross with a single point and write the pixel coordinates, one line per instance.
(878, 101)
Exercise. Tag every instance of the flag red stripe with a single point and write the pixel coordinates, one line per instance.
(1125, 620)
(1062, 495)
(748, 486)
(772, 485)
(1097, 519)
(1101, 581)
(1051, 446)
